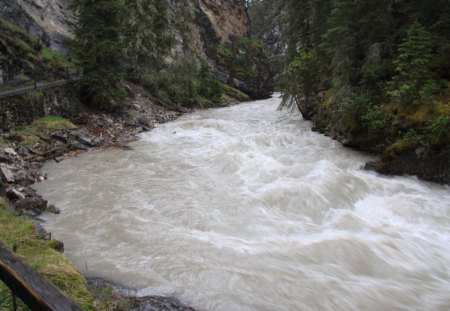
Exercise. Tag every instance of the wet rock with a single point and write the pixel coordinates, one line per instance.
(56, 245)
(41, 233)
(80, 146)
(144, 120)
(53, 209)
(106, 293)
(14, 195)
(6, 174)
(30, 206)
(435, 168)
(30, 193)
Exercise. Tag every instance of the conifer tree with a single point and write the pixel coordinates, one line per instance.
(147, 36)
(98, 50)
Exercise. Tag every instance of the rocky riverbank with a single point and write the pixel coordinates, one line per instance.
(24, 151)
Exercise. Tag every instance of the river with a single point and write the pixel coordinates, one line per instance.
(245, 208)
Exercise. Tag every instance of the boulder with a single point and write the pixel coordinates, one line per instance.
(6, 174)
(41, 233)
(56, 245)
(53, 209)
(30, 206)
(13, 194)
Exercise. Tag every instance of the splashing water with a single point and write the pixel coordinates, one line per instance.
(244, 208)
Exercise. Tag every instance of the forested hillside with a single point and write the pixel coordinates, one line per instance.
(373, 74)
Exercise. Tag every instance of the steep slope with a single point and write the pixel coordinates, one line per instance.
(48, 19)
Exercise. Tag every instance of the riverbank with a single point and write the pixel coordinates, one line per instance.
(23, 152)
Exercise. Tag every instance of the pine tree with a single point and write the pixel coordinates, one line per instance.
(147, 37)
(99, 51)
(414, 81)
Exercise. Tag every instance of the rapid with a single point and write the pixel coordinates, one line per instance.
(245, 208)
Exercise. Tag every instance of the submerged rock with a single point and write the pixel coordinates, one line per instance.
(114, 297)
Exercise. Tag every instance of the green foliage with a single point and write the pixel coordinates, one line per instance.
(31, 134)
(53, 123)
(300, 77)
(18, 235)
(182, 83)
(440, 131)
(385, 62)
(147, 36)
(247, 62)
(414, 81)
(23, 55)
(209, 86)
(99, 51)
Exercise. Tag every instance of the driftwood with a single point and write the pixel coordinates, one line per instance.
(36, 292)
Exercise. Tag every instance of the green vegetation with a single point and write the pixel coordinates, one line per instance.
(374, 70)
(26, 56)
(248, 63)
(18, 236)
(147, 36)
(32, 134)
(99, 50)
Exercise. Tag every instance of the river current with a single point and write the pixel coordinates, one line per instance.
(245, 208)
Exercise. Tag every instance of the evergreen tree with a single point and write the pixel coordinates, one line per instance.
(414, 81)
(98, 50)
(147, 36)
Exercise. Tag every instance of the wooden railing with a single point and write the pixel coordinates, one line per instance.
(34, 84)
(30, 287)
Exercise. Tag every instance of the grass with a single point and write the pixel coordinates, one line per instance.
(18, 234)
(30, 134)
(55, 57)
(53, 123)
(26, 53)
(234, 93)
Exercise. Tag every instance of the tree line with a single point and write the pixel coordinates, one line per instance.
(373, 68)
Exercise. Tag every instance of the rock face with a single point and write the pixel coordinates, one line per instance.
(215, 21)
(50, 20)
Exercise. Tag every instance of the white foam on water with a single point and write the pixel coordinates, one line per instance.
(244, 208)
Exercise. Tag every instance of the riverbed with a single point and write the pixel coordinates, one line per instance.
(245, 208)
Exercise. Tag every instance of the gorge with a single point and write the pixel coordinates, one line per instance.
(244, 208)
(146, 138)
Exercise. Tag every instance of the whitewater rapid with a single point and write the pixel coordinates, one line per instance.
(245, 208)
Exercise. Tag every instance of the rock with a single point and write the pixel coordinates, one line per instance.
(131, 122)
(30, 206)
(61, 136)
(80, 146)
(6, 174)
(2, 190)
(144, 120)
(14, 195)
(435, 168)
(137, 107)
(52, 209)
(4, 158)
(86, 140)
(10, 151)
(41, 233)
(30, 193)
(56, 245)
(97, 141)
